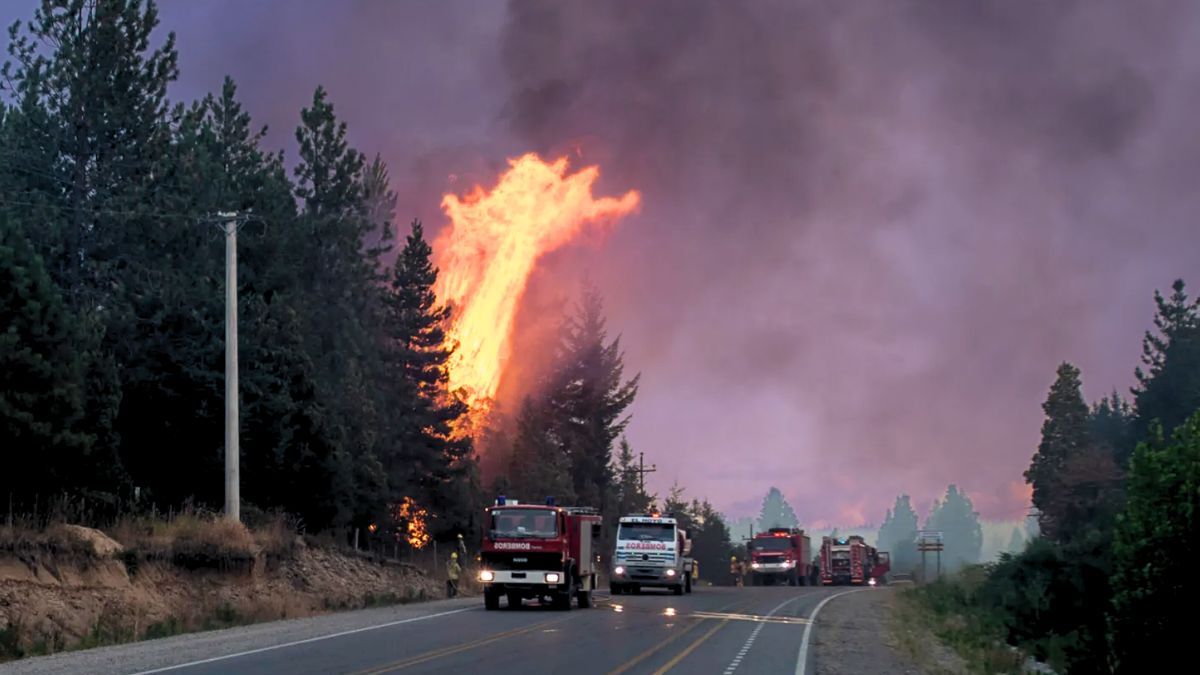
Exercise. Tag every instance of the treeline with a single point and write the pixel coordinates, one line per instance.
(1107, 584)
(112, 285)
(112, 265)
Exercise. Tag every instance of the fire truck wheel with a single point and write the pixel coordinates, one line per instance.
(793, 580)
(687, 583)
(585, 598)
(562, 599)
(491, 599)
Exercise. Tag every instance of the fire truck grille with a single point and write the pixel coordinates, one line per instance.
(633, 558)
(523, 561)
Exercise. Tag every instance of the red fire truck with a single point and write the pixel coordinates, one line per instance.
(852, 561)
(780, 554)
(538, 551)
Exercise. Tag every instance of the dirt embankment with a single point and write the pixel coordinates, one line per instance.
(72, 587)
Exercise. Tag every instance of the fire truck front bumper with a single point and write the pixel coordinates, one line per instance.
(544, 580)
(643, 575)
(772, 567)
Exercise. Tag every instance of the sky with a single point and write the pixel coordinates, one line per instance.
(870, 231)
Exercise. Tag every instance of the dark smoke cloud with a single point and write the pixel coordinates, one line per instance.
(870, 230)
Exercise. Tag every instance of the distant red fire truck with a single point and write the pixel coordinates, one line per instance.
(780, 554)
(851, 561)
(539, 551)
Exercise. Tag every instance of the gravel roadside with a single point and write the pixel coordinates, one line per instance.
(855, 634)
(152, 654)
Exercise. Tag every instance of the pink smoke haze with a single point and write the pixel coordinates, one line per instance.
(870, 230)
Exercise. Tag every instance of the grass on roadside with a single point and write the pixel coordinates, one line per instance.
(946, 609)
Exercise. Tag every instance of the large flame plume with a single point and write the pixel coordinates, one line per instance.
(487, 253)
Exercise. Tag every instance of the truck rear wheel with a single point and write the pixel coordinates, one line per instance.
(491, 599)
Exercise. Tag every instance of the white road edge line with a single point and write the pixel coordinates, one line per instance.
(802, 656)
(301, 642)
(737, 660)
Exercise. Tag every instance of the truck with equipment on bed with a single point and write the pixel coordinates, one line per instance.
(780, 554)
(652, 551)
(851, 561)
(538, 551)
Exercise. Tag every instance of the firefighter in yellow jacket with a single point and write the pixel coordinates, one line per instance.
(453, 571)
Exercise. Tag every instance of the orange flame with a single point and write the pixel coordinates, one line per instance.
(414, 519)
(491, 247)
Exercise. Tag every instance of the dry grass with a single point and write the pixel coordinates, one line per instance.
(55, 540)
(190, 540)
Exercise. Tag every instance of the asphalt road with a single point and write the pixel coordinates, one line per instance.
(713, 630)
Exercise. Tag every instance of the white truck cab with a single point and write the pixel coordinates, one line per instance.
(651, 551)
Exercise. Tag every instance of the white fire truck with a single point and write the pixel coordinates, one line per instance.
(651, 551)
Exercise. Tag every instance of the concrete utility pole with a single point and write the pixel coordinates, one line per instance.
(229, 223)
(642, 471)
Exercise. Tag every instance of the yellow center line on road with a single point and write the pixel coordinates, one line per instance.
(454, 649)
(690, 648)
(665, 643)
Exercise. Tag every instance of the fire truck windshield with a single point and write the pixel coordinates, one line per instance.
(646, 532)
(524, 523)
(772, 543)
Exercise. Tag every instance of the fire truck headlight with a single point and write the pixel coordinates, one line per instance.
(618, 570)
(670, 573)
(755, 566)
(789, 563)
(871, 582)
(487, 575)
(553, 577)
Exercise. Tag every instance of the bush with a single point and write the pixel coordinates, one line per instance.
(1157, 544)
(1051, 600)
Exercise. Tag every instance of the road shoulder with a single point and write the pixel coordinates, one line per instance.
(861, 633)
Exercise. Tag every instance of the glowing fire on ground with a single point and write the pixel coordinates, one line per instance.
(487, 253)
(413, 521)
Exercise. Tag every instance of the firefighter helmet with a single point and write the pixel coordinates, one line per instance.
(454, 555)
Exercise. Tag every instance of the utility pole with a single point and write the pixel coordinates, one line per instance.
(229, 222)
(642, 471)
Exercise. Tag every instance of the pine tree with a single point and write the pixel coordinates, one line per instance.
(538, 467)
(1156, 542)
(898, 534)
(776, 512)
(343, 307)
(1064, 436)
(1111, 424)
(588, 399)
(1168, 392)
(431, 454)
(955, 517)
(711, 545)
(43, 363)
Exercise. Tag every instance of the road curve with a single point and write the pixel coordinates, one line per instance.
(714, 630)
